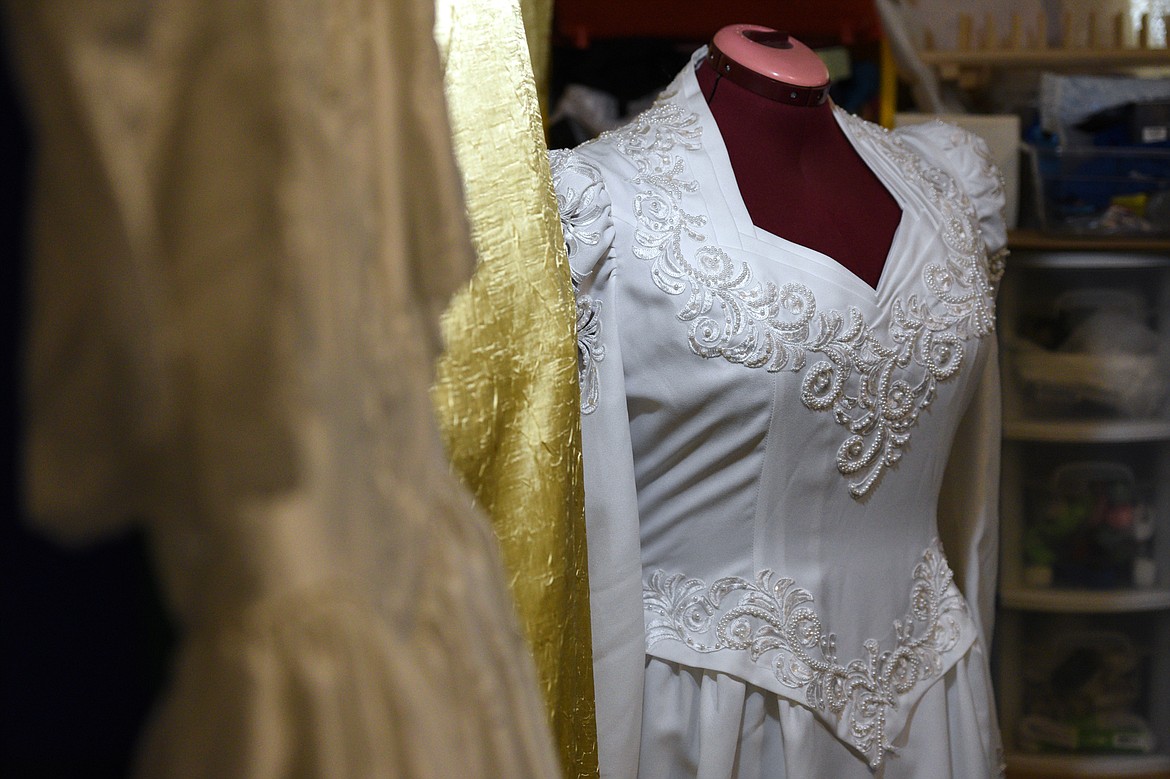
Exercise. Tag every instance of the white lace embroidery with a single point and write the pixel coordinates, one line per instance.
(579, 211)
(774, 621)
(997, 261)
(876, 390)
(590, 351)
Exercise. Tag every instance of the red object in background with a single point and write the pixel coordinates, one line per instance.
(848, 22)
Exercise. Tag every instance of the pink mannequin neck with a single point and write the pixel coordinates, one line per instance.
(772, 54)
(798, 175)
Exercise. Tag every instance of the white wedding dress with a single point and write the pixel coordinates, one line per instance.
(791, 477)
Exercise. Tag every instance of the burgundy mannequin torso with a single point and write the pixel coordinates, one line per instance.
(800, 177)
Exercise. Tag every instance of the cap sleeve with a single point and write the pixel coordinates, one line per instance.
(585, 208)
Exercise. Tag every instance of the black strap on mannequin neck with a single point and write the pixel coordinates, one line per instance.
(725, 67)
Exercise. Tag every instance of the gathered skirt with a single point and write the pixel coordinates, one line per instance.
(703, 724)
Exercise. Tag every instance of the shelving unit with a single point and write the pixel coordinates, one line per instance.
(1080, 44)
(1064, 641)
(973, 68)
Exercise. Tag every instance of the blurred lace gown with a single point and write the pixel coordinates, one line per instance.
(247, 222)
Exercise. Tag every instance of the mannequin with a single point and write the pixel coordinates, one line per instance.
(797, 172)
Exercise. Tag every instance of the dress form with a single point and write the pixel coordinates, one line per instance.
(799, 176)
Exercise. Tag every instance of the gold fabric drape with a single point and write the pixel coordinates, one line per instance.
(507, 392)
(538, 18)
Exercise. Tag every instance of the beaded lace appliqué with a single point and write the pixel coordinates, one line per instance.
(996, 263)
(875, 389)
(590, 351)
(774, 621)
(579, 211)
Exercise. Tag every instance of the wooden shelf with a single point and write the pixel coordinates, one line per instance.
(1087, 431)
(1069, 601)
(1036, 240)
(1024, 766)
(1049, 59)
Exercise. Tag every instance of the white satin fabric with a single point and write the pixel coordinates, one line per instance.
(706, 724)
(791, 477)
(248, 220)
